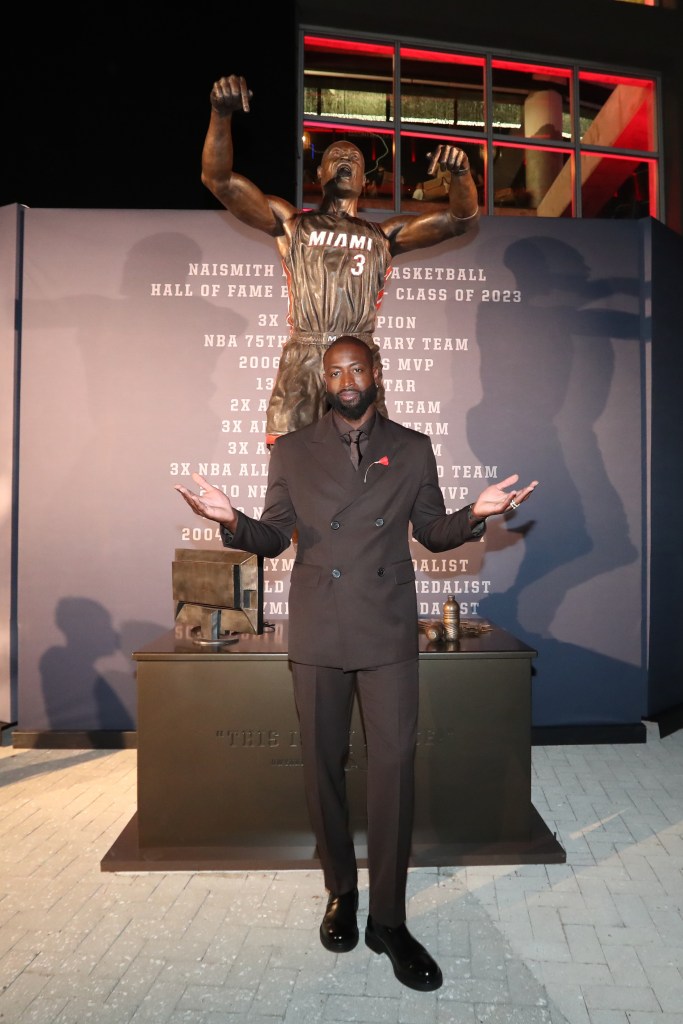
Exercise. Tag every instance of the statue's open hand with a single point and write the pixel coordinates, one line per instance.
(230, 93)
(212, 504)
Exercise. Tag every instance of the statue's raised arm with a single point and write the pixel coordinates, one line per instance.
(408, 232)
(336, 262)
(238, 194)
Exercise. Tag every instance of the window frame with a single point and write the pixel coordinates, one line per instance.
(398, 129)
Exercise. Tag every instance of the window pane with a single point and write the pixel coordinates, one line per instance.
(531, 100)
(617, 111)
(353, 104)
(440, 88)
(535, 181)
(376, 148)
(349, 80)
(617, 187)
(417, 187)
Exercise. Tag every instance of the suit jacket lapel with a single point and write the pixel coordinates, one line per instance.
(326, 449)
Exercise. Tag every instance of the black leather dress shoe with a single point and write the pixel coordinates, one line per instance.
(413, 966)
(339, 931)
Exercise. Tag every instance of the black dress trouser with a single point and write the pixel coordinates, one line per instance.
(388, 698)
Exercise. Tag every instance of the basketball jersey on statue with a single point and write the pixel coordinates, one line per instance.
(336, 272)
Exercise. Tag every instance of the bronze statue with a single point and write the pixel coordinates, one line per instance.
(336, 263)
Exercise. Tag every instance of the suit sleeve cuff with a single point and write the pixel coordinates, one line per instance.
(227, 536)
(477, 526)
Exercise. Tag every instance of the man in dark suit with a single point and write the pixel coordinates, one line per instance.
(353, 624)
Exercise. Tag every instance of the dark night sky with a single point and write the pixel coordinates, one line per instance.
(110, 111)
(107, 107)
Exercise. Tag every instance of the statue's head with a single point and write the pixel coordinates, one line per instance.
(342, 169)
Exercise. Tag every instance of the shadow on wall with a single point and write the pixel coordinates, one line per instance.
(547, 374)
(124, 385)
(77, 693)
(148, 373)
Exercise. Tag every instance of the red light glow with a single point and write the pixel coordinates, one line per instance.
(530, 69)
(347, 46)
(600, 79)
(441, 58)
(432, 135)
(346, 129)
(542, 149)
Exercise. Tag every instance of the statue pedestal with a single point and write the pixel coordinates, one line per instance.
(220, 782)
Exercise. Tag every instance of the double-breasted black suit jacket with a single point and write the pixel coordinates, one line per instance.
(352, 601)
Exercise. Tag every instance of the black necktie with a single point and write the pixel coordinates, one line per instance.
(354, 446)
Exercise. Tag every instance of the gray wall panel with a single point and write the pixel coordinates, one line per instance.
(137, 370)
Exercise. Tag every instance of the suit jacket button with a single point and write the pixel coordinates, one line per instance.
(379, 522)
(380, 572)
(334, 525)
(336, 573)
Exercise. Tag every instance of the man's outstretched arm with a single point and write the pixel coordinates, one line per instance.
(242, 531)
(211, 504)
